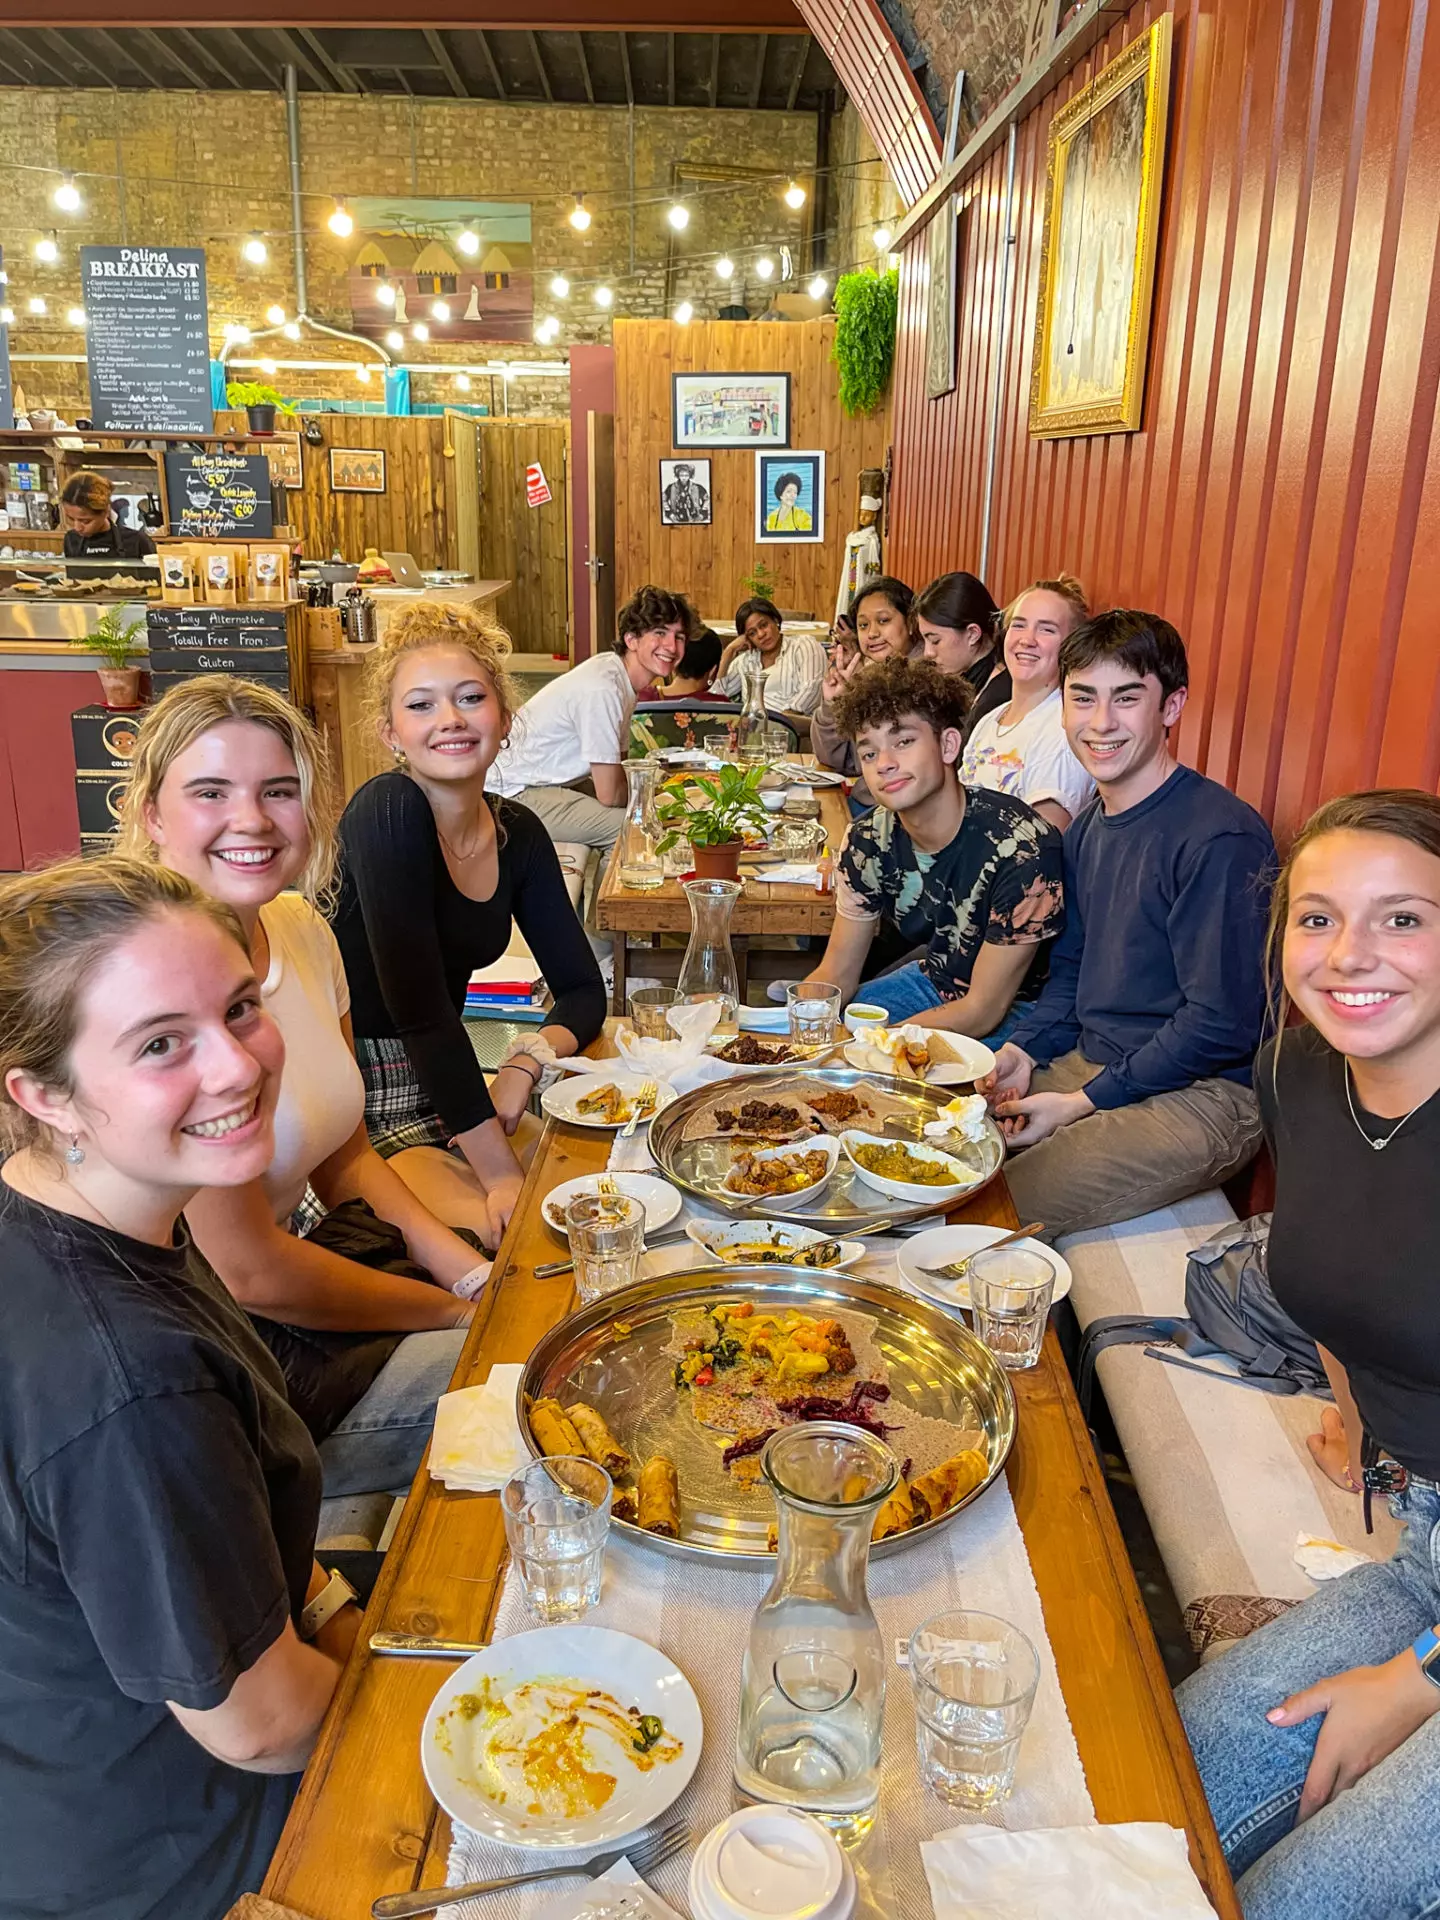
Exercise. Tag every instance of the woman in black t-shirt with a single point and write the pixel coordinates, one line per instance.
(92, 532)
(1318, 1738)
(161, 1667)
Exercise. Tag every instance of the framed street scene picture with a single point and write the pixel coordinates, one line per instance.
(789, 496)
(730, 409)
(685, 493)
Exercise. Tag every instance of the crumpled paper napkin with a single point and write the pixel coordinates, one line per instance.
(1326, 1559)
(619, 1894)
(476, 1445)
(1132, 1871)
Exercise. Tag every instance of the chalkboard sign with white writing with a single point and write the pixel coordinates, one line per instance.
(219, 496)
(249, 641)
(147, 338)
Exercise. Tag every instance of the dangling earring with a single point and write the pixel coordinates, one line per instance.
(74, 1153)
(399, 753)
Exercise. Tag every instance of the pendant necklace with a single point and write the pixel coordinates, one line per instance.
(475, 846)
(1380, 1145)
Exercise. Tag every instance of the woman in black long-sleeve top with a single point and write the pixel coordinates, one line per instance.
(436, 874)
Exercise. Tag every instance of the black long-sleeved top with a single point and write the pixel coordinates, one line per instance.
(410, 939)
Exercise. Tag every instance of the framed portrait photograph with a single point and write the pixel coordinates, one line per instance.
(730, 409)
(357, 470)
(685, 499)
(1097, 247)
(789, 497)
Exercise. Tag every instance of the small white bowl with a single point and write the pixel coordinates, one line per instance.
(772, 799)
(908, 1189)
(820, 1143)
(860, 1014)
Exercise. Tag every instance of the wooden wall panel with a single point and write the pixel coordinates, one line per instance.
(528, 546)
(1283, 493)
(707, 562)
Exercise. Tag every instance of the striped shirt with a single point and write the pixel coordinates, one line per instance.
(792, 685)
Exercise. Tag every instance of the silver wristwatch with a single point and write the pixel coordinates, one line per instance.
(335, 1594)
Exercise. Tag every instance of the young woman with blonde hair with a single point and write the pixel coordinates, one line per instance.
(435, 876)
(228, 787)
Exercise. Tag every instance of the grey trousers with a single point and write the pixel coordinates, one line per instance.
(569, 814)
(1125, 1161)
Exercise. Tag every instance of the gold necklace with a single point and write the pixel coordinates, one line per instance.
(475, 846)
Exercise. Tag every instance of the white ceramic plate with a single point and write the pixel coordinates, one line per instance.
(562, 1101)
(938, 1246)
(453, 1748)
(909, 1190)
(712, 1236)
(820, 1143)
(659, 1198)
(973, 1060)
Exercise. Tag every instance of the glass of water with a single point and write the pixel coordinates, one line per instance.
(648, 1009)
(607, 1237)
(814, 1010)
(719, 745)
(974, 1679)
(557, 1519)
(1010, 1293)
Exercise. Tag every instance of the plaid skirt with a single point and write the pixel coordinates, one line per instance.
(398, 1113)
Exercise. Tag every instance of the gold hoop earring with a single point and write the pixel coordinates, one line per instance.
(399, 754)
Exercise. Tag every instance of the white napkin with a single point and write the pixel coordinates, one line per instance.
(1326, 1559)
(620, 1892)
(789, 873)
(476, 1445)
(664, 1059)
(1127, 1872)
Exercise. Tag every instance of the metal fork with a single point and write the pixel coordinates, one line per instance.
(648, 1093)
(644, 1857)
(957, 1269)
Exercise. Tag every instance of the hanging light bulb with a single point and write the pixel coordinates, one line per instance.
(362, 374)
(67, 195)
(462, 383)
(684, 313)
(678, 214)
(385, 293)
(47, 250)
(818, 287)
(7, 316)
(580, 214)
(270, 366)
(724, 267)
(75, 316)
(440, 310)
(795, 195)
(255, 251)
(291, 330)
(880, 239)
(394, 339)
(420, 331)
(560, 287)
(604, 297)
(341, 222)
(765, 267)
(240, 335)
(276, 316)
(36, 303)
(468, 241)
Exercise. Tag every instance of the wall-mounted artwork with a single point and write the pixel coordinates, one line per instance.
(730, 409)
(685, 499)
(1097, 252)
(357, 470)
(789, 496)
(463, 268)
(940, 302)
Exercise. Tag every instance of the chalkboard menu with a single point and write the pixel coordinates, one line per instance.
(219, 496)
(7, 397)
(249, 641)
(147, 339)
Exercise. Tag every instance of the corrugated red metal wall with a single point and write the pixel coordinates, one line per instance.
(1280, 503)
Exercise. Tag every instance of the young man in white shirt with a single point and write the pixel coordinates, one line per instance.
(564, 756)
(794, 664)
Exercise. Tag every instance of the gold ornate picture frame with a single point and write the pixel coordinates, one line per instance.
(1097, 248)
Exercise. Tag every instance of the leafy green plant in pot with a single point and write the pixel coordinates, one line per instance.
(760, 583)
(261, 403)
(711, 811)
(115, 639)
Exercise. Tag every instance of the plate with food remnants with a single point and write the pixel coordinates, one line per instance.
(659, 1199)
(758, 1051)
(564, 1737)
(606, 1099)
(772, 1243)
(675, 1385)
(922, 1257)
(921, 1053)
(795, 1173)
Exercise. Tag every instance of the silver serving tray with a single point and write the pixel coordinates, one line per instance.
(848, 1203)
(613, 1355)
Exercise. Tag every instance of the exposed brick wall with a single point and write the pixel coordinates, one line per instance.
(864, 195)
(984, 37)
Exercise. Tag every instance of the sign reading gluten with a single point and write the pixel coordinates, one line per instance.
(219, 496)
(147, 339)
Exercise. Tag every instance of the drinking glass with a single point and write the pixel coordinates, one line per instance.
(814, 1010)
(717, 745)
(1010, 1293)
(974, 1679)
(557, 1519)
(607, 1237)
(648, 1008)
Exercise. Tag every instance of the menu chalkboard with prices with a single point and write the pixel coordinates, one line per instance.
(220, 496)
(147, 339)
(249, 641)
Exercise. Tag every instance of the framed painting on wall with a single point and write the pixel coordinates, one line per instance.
(1097, 247)
(357, 470)
(685, 497)
(789, 497)
(287, 463)
(730, 409)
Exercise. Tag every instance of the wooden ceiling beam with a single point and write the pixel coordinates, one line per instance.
(167, 49)
(625, 69)
(757, 79)
(75, 50)
(497, 79)
(585, 73)
(28, 53)
(712, 90)
(597, 16)
(539, 59)
(802, 60)
(447, 66)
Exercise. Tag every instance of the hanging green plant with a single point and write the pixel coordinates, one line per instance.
(866, 306)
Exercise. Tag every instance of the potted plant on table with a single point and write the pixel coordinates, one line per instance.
(115, 639)
(261, 403)
(711, 811)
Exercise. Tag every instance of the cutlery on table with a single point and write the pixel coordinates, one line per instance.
(957, 1269)
(648, 1094)
(418, 1646)
(551, 1269)
(643, 1855)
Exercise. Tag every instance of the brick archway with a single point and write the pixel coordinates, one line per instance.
(866, 55)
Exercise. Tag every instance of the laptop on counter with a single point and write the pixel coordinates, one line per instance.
(406, 573)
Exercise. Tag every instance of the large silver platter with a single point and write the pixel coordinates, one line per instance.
(614, 1356)
(848, 1203)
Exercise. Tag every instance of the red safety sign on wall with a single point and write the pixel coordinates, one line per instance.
(537, 487)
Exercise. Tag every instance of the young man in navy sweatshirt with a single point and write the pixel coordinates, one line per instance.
(1127, 1086)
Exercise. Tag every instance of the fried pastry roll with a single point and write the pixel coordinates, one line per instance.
(554, 1430)
(939, 1490)
(597, 1440)
(660, 1497)
(896, 1515)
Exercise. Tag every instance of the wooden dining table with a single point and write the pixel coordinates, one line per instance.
(364, 1822)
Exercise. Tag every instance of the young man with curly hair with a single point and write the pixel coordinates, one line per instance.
(563, 758)
(972, 875)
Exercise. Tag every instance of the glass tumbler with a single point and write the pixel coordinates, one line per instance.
(648, 1008)
(718, 745)
(1010, 1293)
(814, 1010)
(607, 1237)
(557, 1519)
(974, 1679)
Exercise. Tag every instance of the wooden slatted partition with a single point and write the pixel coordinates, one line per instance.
(528, 546)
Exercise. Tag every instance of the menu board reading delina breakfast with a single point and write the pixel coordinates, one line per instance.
(147, 339)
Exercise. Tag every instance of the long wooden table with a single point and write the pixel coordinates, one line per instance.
(364, 1822)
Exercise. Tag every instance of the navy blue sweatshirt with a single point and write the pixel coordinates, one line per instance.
(1159, 974)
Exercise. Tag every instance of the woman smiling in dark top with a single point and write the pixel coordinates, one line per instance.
(435, 876)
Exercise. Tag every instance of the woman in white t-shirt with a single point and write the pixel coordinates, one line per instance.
(228, 788)
(1021, 748)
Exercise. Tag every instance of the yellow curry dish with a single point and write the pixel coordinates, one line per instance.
(897, 1162)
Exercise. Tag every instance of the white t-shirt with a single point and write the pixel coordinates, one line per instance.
(322, 1097)
(582, 717)
(1031, 760)
(792, 684)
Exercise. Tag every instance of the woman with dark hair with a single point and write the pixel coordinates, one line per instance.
(794, 664)
(1318, 1737)
(787, 516)
(92, 531)
(882, 611)
(958, 624)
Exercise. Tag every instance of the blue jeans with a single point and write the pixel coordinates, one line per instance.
(1374, 1852)
(381, 1441)
(907, 991)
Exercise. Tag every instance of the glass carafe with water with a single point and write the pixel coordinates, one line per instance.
(641, 865)
(708, 970)
(813, 1687)
(750, 727)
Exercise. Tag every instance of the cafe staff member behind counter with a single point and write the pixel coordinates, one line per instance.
(91, 530)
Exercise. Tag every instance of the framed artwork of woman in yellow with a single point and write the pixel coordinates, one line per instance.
(790, 496)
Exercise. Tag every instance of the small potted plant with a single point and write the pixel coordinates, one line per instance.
(261, 403)
(711, 811)
(115, 639)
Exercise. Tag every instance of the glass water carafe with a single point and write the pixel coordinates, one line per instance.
(641, 865)
(812, 1692)
(750, 727)
(708, 970)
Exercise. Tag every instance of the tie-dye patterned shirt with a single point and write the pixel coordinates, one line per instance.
(999, 880)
